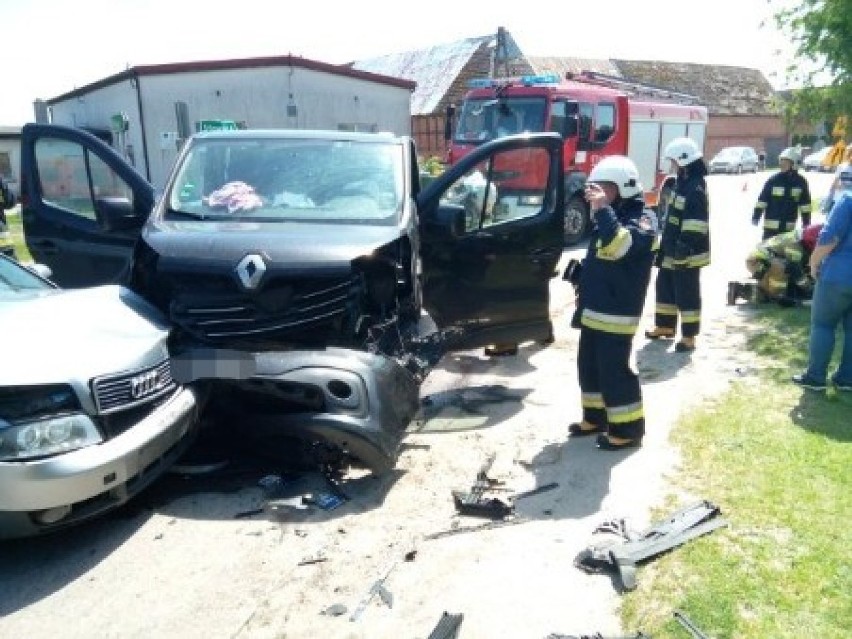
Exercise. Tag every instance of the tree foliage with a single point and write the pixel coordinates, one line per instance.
(821, 32)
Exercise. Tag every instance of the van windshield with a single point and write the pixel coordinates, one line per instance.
(289, 179)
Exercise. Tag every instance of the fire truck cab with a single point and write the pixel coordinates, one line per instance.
(596, 115)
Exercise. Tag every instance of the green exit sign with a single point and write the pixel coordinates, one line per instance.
(215, 125)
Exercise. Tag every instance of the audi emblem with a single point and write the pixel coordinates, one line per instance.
(145, 384)
(250, 271)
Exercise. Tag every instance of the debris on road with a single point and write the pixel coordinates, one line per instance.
(448, 626)
(694, 631)
(623, 555)
(378, 588)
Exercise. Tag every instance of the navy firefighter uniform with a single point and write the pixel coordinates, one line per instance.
(611, 293)
(785, 196)
(684, 249)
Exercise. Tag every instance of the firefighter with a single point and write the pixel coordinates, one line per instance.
(784, 197)
(611, 288)
(780, 266)
(684, 248)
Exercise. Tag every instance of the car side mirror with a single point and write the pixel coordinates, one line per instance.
(117, 214)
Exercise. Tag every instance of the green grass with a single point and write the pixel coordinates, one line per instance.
(16, 230)
(776, 459)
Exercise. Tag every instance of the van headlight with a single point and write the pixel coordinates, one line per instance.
(40, 421)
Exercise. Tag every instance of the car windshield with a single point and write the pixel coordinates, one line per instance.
(729, 154)
(15, 279)
(289, 179)
(486, 119)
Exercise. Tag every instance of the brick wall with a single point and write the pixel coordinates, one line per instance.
(764, 133)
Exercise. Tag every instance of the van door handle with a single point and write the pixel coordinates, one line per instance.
(45, 246)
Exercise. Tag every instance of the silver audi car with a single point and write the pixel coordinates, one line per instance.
(89, 412)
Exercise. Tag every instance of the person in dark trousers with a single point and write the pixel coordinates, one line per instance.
(611, 289)
(784, 198)
(684, 248)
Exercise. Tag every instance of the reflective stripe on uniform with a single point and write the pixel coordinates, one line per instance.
(698, 226)
(759, 206)
(592, 400)
(679, 202)
(796, 193)
(625, 414)
(618, 324)
(778, 191)
(687, 317)
(665, 309)
(805, 208)
(701, 259)
(617, 248)
(770, 224)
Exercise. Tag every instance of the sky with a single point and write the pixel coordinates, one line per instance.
(50, 47)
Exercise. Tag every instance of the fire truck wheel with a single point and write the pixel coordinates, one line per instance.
(576, 220)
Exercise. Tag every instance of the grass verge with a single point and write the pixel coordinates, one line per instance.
(776, 459)
(16, 230)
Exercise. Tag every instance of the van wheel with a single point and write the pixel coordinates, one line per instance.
(576, 220)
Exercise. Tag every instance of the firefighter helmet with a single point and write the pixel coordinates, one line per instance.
(809, 236)
(621, 171)
(683, 151)
(790, 153)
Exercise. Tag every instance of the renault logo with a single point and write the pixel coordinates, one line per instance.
(250, 270)
(145, 384)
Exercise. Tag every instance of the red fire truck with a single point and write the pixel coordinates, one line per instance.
(596, 114)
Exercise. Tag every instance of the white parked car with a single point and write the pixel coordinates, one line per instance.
(814, 161)
(735, 159)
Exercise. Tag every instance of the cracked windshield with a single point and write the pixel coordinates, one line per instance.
(276, 180)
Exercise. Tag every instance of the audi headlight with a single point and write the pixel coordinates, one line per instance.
(46, 437)
(40, 421)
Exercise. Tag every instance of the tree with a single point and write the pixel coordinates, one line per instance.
(820, 32)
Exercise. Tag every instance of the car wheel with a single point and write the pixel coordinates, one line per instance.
(576, 220)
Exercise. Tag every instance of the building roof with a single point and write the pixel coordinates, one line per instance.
(725, 90)
(241, 63)
(436, 69)
(561, 65)
(432, 69)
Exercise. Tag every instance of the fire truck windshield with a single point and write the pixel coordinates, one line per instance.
(488, 118)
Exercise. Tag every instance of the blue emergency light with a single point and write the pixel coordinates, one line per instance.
(524, 80)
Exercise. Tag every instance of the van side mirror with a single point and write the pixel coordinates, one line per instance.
(117, 214)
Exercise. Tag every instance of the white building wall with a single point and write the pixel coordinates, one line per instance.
(94, 110)
(258, 97)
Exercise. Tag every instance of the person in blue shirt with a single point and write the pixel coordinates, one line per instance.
(831, 265)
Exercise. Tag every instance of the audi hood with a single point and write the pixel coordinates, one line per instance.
(62, 336)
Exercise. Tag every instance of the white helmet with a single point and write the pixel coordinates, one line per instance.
(790, 153)
(620, 171)
(682, 150)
